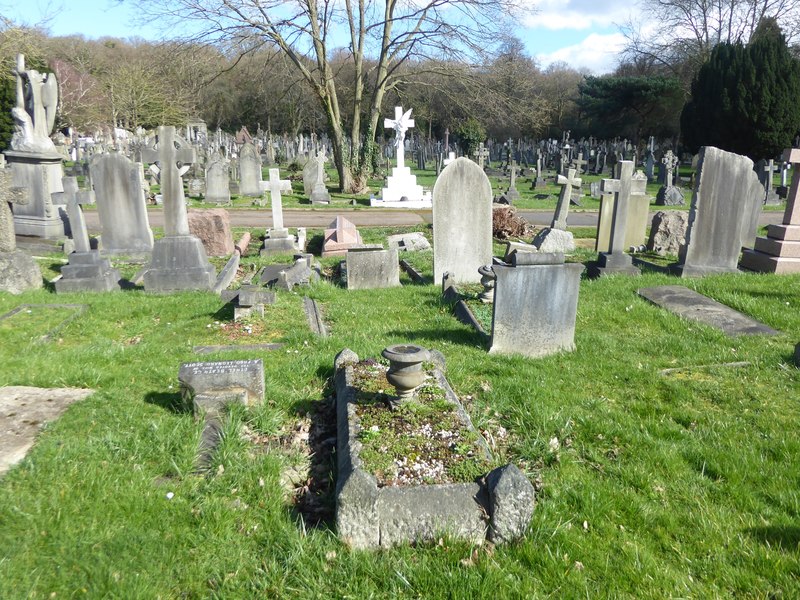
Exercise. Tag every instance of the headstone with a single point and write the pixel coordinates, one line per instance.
(668, 232)
(462, 222)
(482, 155)
(371, 268)
(213, 227)
(562, 208)
(765, 171)
(179, 261)
(87, 271)
(218, 189)
(615, 260)
(340, 236)
(535, 305)
(278, 240)
(121, 206)
(723, 217)
(779, 252)
(18, 271)
(319, 193)
(249, 171)
(512, 193)
(669, 194)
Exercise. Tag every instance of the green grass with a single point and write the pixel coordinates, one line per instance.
(651, 484)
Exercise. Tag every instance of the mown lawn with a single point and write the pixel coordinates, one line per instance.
(652, 483)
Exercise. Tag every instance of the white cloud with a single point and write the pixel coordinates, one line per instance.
(578, 14)
(598, 53)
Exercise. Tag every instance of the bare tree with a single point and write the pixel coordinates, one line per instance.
(378, 36)
(687, 30)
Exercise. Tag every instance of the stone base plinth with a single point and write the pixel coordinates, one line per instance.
(279, 242)
(41, 174)
(88, 272)
(617, 263)
(179, 263)
(401, 183)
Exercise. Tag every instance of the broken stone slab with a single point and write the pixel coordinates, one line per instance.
(690, 305)
(24, 411)
(554, 240)
(409, 242)
(314, 316)
(19, 272)
(413, 273)
(368, 516)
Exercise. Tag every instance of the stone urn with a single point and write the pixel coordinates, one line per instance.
(405, 368)
(487, 281)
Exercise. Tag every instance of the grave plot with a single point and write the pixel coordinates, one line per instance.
(410, 464)
(37, 322)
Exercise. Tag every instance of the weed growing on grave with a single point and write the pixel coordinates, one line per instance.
(421, 441)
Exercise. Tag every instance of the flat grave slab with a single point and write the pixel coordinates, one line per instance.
(690, 305)
(24, 411)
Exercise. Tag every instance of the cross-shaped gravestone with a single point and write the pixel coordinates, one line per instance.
(275, 186)
(401, 123)
(621, 188)
(769, 169)
(77, 223)
(176, 221)
(482, 154)
(562, 208)
(670, 161)
(9, 195)
(579, 162)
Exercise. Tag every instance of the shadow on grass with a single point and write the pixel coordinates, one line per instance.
(786, 537)
(225, 313)
(314, 244)
(170, 401)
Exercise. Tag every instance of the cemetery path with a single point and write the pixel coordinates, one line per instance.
(320, 218)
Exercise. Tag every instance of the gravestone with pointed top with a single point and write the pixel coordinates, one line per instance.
(340, 236)
(616, 261)
(179, 260)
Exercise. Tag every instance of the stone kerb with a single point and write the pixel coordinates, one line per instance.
(498, 507)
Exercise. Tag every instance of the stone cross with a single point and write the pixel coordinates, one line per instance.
(482, 154)
(579, 162)
(769, 169)
(621, 188)
(562, 208)
(670, 161)
(276, 185)
(401, 123)
(176, 221)
(9, 195)
(77, 223)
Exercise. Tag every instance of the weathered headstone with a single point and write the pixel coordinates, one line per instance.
(218, 189)
(462, 221)
(179, 261)
(669, 194)
(723, 218)
(779, 252)
(249, 171)
(371, 268)
(18, 271)
(340, 236)
(411, 242)
(87, 271)
(535, 305)
(121, 206)
(615, 260)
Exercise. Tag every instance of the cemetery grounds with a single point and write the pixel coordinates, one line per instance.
(665, 454)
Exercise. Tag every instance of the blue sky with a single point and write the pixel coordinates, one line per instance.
(582, 33)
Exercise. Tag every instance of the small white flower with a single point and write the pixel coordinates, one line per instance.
(554, 444)
(170, 495)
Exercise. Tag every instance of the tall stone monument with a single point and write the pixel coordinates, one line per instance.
(779, 252)
(401, 184)
(179, 261)
(35, 163)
